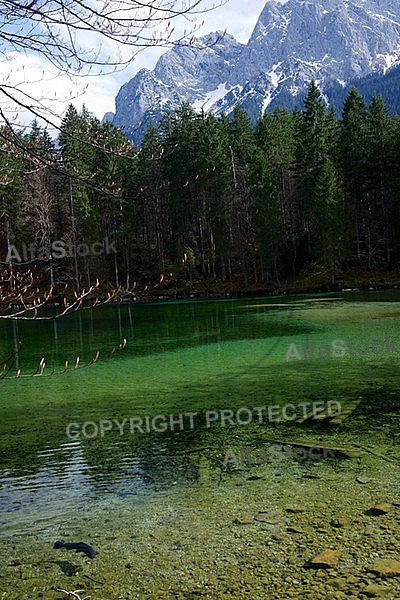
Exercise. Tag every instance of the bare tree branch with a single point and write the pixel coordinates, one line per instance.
(53, 29)
(79, 38)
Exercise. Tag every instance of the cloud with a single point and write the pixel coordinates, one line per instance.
(43, 90)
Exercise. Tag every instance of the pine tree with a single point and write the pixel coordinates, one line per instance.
(149, 217)
(276, 138)
(180, 133)
(353, 165)
(379, 138)
(314, 146)
(242, 149)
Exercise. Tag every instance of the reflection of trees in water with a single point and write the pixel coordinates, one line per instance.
(10, 363)
(142, 329)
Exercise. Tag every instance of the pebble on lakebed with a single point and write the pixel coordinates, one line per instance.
(386, 567)
(382, 508)
(375, 591)
(325, 559)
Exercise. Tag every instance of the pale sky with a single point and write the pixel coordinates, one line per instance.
(40, 79)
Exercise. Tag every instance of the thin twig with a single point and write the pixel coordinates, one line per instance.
(74, 594)
(40, 370)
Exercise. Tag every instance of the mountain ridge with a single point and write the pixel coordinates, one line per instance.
(329, 41)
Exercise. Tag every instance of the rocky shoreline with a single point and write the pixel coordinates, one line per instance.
(315, 530)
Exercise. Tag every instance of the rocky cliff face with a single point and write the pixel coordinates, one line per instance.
(292, 43)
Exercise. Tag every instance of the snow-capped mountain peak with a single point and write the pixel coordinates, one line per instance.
(293, 42)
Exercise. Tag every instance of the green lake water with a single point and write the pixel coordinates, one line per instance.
(179, 358)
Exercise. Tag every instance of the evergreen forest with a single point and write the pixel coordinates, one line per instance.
(207, 203)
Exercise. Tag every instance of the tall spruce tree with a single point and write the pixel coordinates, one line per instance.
(353, 165)
(242, 149)
(149, 211)
(313, 164)
(380, 138)
(276, 137)
(181, 137)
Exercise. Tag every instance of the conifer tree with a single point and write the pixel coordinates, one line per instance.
(379, 138)
(242, 149)
(312, 150)
(149, 215)
(353, 164)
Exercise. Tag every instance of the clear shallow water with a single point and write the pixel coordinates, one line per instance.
(179, 357)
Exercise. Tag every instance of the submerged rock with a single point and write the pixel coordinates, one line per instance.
(382, 508)
(375, 591)
(362, 479)
(245, 520)
(77, 546)
(325, 559)
(386, 567)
